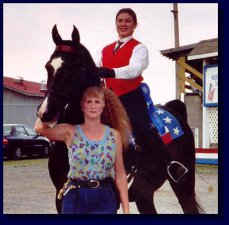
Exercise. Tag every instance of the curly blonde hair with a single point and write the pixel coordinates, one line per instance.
(114, 113)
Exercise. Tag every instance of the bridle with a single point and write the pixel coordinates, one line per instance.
(65, 48)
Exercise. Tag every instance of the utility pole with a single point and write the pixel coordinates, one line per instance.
(176, 24)
(176, 38)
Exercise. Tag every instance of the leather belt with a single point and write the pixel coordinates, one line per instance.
(92, 183)
(84, 184)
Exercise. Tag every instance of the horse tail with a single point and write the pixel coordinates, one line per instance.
(178, 106)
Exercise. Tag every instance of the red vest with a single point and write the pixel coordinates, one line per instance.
(119, 59)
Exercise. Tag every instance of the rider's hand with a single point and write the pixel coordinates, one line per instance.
(104, 72)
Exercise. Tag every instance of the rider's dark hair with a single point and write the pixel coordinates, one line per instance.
(130, 12)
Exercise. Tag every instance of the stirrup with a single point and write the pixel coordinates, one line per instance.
(176, 163)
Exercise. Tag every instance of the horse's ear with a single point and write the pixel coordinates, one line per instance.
(55, 36)
(75, 35)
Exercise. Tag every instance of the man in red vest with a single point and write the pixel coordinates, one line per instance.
(121, 65)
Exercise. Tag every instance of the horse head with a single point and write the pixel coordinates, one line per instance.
(71, 70)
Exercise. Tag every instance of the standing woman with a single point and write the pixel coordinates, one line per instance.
(121, 65)
(96, 179)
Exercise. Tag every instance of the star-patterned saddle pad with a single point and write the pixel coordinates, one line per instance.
(167, 125)
(170, 123)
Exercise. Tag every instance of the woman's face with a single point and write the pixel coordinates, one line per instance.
(93, 106)
(125, 25)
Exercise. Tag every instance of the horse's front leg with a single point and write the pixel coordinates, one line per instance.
(58, 202)
(142, 191)
(58, 169)
(145, 204)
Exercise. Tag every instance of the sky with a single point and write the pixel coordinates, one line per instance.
(28, 44)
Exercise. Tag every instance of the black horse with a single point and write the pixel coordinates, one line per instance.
(71, 70)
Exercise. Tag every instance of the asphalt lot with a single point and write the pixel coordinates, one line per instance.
(27, 189)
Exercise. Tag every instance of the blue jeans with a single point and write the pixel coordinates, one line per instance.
(99, 200)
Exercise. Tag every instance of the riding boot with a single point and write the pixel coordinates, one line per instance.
(176, 171)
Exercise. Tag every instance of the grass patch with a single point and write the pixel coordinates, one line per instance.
(25, 162)
(200, 168)
(206, 168)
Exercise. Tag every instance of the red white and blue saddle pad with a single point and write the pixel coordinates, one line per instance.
(167, 125)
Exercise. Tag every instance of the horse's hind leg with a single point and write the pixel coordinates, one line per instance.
(185, 192)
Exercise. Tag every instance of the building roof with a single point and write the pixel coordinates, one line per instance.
(202, 49)
(174, 53)
(25, 87)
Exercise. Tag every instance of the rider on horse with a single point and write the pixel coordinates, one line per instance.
(122, 67)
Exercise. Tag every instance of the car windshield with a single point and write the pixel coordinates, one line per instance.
(30, 131)
(7, 129)
(18, 130)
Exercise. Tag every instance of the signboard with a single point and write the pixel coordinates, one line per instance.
(211, 85)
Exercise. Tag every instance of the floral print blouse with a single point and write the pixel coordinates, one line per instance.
(90, 159)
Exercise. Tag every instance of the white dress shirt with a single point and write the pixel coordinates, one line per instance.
(139, 61)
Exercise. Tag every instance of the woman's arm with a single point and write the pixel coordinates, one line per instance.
(60, 132)
(120, 175)
(139, 61)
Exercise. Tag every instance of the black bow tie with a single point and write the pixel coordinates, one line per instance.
(118, 46)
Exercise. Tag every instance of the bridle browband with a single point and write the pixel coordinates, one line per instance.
(65, 48)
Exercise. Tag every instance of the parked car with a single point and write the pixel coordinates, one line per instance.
(19, 139)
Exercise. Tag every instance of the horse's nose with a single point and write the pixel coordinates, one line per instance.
(47, 117)
(48, 65)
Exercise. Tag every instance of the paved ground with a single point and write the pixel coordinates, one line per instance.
(27, 189)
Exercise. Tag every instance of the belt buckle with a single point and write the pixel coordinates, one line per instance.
(97, 183)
